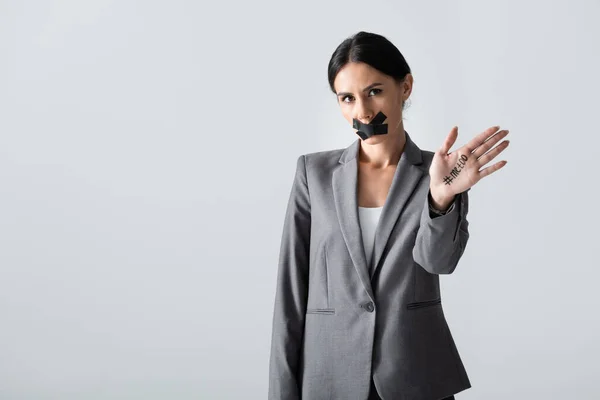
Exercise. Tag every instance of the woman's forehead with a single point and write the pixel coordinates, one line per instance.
(357, 76)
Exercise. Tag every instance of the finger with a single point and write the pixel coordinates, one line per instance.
(491, 169)
(490, 142)
(493, 153)
(450, 140)
(479, 139)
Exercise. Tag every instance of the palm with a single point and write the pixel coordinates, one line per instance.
(454, 173)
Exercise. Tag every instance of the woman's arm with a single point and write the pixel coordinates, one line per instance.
(441, 240)
(291, 292)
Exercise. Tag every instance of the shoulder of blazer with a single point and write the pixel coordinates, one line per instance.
(322, 161)
(325, 154)
(427, 157)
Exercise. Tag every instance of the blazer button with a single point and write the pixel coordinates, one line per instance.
(369, 306)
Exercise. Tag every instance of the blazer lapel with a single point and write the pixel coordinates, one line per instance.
(344, 183)
(345, 192)
(409, 171)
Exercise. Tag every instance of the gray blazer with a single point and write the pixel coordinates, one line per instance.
(338, 321)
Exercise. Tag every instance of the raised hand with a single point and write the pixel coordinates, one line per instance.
(453, 173)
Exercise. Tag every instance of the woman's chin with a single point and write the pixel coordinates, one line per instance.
(375, 139)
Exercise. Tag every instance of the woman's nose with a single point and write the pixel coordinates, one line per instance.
(365, 119)
(363, 114)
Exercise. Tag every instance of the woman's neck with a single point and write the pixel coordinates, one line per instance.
(383, 153)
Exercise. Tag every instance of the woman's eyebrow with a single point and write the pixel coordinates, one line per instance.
(371, 86)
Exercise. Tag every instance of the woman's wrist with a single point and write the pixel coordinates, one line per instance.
(439, 205)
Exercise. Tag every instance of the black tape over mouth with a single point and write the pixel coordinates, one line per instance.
(375, 127)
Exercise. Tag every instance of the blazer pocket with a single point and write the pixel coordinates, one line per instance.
(320, 310)
(422, 304)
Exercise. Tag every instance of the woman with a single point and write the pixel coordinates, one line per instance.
(367, 232)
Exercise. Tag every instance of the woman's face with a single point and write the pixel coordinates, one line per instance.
(362, 91)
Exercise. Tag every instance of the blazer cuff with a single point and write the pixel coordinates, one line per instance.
(441, 224)
(435, 212)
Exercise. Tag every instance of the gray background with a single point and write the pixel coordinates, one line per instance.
(147, 151)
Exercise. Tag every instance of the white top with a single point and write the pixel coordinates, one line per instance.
(369, 217)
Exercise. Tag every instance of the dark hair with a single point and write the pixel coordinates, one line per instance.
(372, 49)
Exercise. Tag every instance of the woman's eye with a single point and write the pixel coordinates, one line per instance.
(347, 99)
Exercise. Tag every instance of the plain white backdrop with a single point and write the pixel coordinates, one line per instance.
(147, 151)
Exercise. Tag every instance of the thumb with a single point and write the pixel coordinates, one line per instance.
(450, 140)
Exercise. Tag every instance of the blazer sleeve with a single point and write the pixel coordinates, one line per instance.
(291, 291)
(441, 240)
